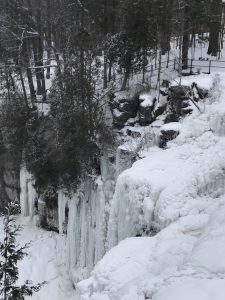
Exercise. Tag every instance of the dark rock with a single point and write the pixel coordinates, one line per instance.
(179, 101)
(166, 136)
(159, 110)
(185, 104)
(187, 111)
(9, 179)
(120, 118)
(165, 83)
(203, 93)
(133, 133)
(146, 109)
(48, 213)
(181, 91)
(124, 106)
(146, 116)
(171, 118)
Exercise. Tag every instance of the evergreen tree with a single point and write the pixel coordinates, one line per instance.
(10, 255)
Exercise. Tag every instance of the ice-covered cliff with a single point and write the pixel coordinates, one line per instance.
(180, 193)
(163, 204)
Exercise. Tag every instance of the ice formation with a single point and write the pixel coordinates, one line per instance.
(62, 205)
(87, 221)
(28, 195)
(175, 192)
(180, 193)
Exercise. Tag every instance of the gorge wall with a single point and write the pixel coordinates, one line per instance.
(118, 204)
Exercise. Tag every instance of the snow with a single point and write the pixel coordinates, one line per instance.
(160, 222)
(195, 289)
(41, 263)
(117, 113)
(120, 96)
(136, 259)
(181, 262)
(175, 126)
(203, 81)
(179, 193)
(147, 100)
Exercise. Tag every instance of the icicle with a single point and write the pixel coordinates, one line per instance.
(62, 202)
(28, 194)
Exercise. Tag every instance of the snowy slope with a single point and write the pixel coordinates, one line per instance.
(41, 264)
(181, 192)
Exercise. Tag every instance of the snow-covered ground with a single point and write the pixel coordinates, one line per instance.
(181, 192)
(42, 263)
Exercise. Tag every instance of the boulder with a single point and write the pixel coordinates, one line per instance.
(181, 91)
(134, 133)
(159, 109)
(203, 93)
(146, 108)
(179, 101)
(124, 106)
(168, 133)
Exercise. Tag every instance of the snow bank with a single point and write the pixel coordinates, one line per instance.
(123, 268)
(202, 277)
(184, 261)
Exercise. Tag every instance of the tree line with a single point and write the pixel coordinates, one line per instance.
(90, 43)
(124, 32)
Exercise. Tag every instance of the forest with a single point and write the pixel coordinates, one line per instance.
(71, 54)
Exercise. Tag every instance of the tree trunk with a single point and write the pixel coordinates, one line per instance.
(26, 56)
(214, 27)
(105, 70)
(38, 57)
(185, 43)
(126, 75)
(48, 38)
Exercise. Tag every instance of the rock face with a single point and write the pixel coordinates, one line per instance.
(146, 109)
(9, 180)
(202, 93)
(48, 214)
(124, 106)
(168, 133)
(179, 101)
(32, 204)
(85, 216)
